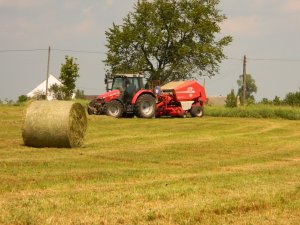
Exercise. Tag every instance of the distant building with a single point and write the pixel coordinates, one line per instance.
(216, 100)
(90, 97)
(41, 88)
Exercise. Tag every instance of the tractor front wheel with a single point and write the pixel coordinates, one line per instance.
(91, 108)
(114, 109)
(145, 106)
(197, 111)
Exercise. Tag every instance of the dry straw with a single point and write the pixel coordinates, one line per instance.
(60, 124)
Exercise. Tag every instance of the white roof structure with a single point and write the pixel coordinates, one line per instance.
(41, 88)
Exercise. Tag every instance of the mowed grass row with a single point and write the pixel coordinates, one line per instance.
(157, 171)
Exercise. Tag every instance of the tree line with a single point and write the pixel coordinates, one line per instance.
(234, 99)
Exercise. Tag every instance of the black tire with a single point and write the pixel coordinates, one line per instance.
(197, 111)
(128, 115)
(184, 115)
(145, 106)
(91, 108)
(114, 109)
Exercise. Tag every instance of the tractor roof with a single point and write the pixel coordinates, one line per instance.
(128, 75)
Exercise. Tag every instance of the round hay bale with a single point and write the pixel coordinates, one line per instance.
(60, 124)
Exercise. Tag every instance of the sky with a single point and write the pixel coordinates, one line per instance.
(266, 31)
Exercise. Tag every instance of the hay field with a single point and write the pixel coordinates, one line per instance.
(157, 171)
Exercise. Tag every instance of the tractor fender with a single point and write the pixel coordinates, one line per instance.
(139, 93)
(116, 99)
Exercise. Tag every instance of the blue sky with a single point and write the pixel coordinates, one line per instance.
(267, 31)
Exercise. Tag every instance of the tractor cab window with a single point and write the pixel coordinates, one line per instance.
(135, 82)
(144, 83)
(118, 84)
(131, 86)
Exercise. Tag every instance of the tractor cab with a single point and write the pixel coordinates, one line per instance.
(127, 84)
(121, 81)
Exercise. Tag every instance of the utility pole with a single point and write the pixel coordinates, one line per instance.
(47, 75)
(244, 79)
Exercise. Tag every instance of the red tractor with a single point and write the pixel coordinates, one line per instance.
(128, 97)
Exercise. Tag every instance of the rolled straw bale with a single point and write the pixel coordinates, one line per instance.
(60, 124)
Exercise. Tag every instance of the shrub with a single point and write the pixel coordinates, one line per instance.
(292, 99)
(276, 101)
(250, 101)
(265, 101)
(79, 94)
(22, 98)
(231, 100)
(39, 95)
(257, 111)
(8, 101)
(56, 92)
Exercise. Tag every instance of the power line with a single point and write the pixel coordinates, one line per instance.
(52, 49)
(90, 88)
(235, 59)
(78, 51)
(265, 59)
(275, 59)
(23, 50)
(100, 52)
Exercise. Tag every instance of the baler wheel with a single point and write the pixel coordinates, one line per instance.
(184, 115)
(145, 106)
(114, 109)
(197, 111)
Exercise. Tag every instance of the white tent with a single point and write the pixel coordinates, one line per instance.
(41, 88)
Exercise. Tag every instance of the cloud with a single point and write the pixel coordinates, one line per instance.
(71, 4)
(88, 23)
(88, 12)
(242, 26)
(291, 6)
(17, 28)
(20, 3)
(291, 14)
(109, 2)
(84, 25)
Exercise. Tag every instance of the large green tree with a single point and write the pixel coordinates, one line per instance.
(168, 40)
(250, 88)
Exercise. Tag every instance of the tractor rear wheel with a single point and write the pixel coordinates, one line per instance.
(145, 106)
(197, 111)
(114, 109)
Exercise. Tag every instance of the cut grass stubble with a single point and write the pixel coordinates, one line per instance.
(158, 171)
